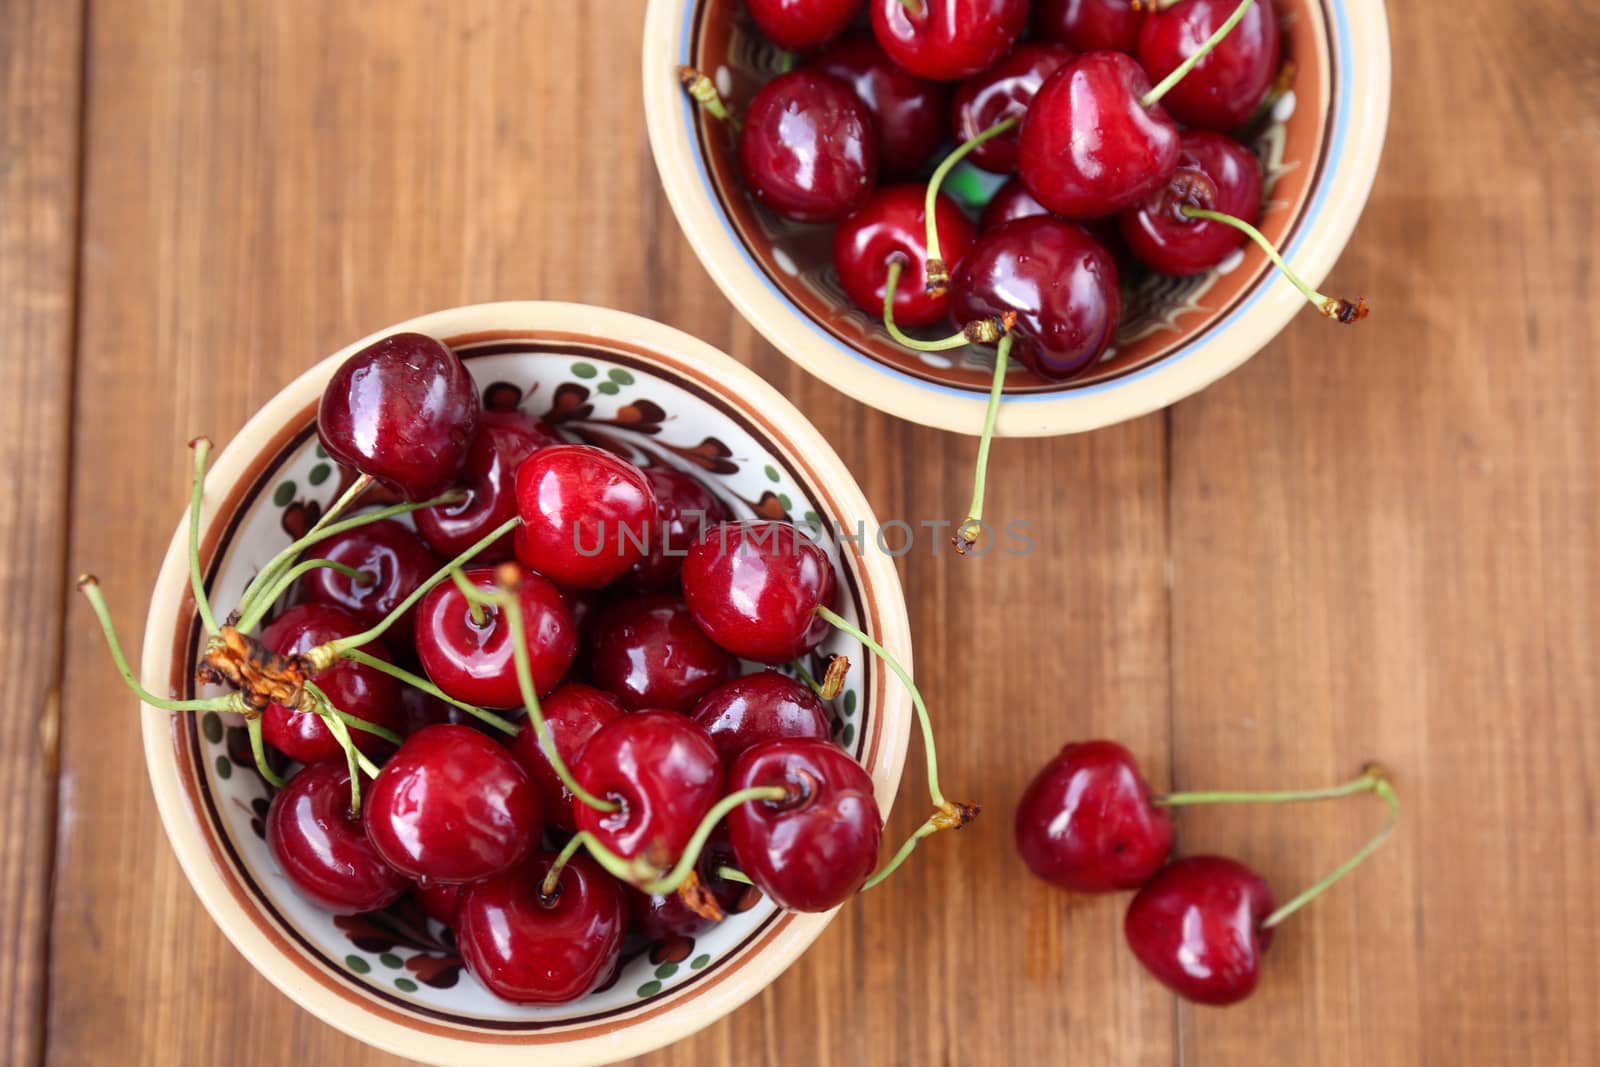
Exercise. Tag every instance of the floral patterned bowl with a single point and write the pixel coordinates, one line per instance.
(1319, 148)
(392, 978)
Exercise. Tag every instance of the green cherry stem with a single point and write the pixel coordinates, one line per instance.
(415, 681)
(552, 878)
(733, 874)
(1336, 308)
(1154, 96)
(283, 584)
(1366, 783)
(938, 274)
(981, 331)
(703, 91)
(972, 526)
(1379, 784)
(474, 606)
(805, 676)
(258, 750)
(927, 829)
(197, 581)
(354, 722)
(89, 586)
(285, 557)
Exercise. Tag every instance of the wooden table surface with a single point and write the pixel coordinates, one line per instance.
(1381, 542)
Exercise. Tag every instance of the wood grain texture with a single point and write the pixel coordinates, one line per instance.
(1380, 542)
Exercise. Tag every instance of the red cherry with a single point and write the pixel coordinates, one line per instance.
(947, 39)
(754, 588)
(532, 951)
(1011, 201)
(1089, 25)
(419, 709)
(814, 849)
(664, 772)
(893, 224)
(574, 713)
(1197, 927)
(1002, 92)
(1225, 88)
(907, 111)
(476, 662)
(684, 509)
(1214, 172)
(402, 410)
(806, 149)
(352, 687)
(391, 556)
(586, 515)
(505, 439)
(452, 806)
(798, 25)
(743, 713)
(1089, 145)
(648, 651)
(440, 902)
(660, 917)
(1087, 824)
(1059, 282)
(322, 848)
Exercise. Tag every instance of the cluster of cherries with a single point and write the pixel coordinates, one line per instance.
(1102, 174)
(529, 708)
(1089, 823)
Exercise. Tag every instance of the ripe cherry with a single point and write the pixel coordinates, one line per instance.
(806, 149)
(1001, 92)
(684, 509)
(1086, 822)
(1224, 90)
(586, 515)
(745, 712)
(815, 848)
(1090, 25)
(1213, 172)
(1011, 201)
(574, 713)
(440, 902)
(893, 226)
(798, 25)
(661, 916)
(419, 709)
(466, 649)
(402, 410)
(648, 651)
(1198, 927)
(755, 587)
(505, 439)
(665, 774)
(321, 846)
(947, 39)
(452, 806)
(353, 688)
(907, 111)
(532, 950)
(393, 563)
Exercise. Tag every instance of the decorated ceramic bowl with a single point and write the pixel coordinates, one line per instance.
(1319, 148)
(394, 979)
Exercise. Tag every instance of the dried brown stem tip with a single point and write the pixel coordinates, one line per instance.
(699, 900)
(1341, 310)
(196, 442)
(508, 576)
(955, 815)
(261, 676)
(937, 277)
(87, 580)
(704, 92)
(833, 681)
(967, 535)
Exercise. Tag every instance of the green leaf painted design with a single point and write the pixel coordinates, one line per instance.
(584, 370)
(322, 453)
(849, 701)
(620, 376)
(608, 388)
(211, 726)
(391, 961)
(772, 472)
(848, 737)
(319, 474)
(357, 964)
(224, 768)
(405, 985)
(699, 962)
(283, 496)
(666, 970)
(785, 503)
(649, 989)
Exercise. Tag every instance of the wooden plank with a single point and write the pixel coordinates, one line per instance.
(41, 54)
(1384, 546)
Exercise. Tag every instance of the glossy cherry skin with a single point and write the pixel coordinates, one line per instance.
(685, 508)
(322, 848)
(799, 25)
(661, 917)
(505, 439)
(477, 662)
(745, 712)
(353, 688)
(1197, 927)
(1215, 172)
(1061, 283)
(1088, 146)
(452, 806)
(530, 951)
(440, 902)
(893, 224)
(754, 588)
(1086, 822)
(806, 149)
(403, 410)
(1089, 25)
(648, 651)
(574, 713)
(814, 849)
(662, 769)
(947, 39)
(1002, 92)
(1011, 201)
(908, 112)
(1225, 88)
(392, 556)
(586, 515)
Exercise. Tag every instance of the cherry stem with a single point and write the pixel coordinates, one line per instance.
(89, 586)
(352, 757)
(331, 714)
(416, 681)
(552, 878)
(927, 829)
(938, 274)
(474, 608)
(971, 527)
(1335, 308)
(704, 92)
(202, 450)
(805, 676)
(1376, 783)
(258, 750)
(1154, 96)
(282, 559)
(1363, 784)
(733, 874)
(896, 265)
(280, 586)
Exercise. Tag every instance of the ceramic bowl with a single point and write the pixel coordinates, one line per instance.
(1319, 148)
(392, 979)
